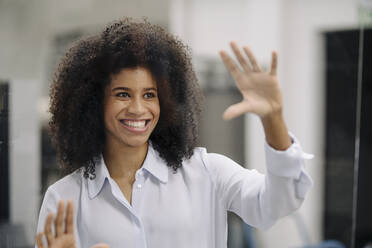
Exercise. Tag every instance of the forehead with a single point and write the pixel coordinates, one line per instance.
(138, 77)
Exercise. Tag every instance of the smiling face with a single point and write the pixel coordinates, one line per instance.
(131, 107)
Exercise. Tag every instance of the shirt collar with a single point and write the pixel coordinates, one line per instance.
(95, 185)
(153, 164)
(156, 165)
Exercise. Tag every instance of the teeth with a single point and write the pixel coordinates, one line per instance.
(136, 124)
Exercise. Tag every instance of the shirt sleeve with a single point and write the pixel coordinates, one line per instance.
(260, 199)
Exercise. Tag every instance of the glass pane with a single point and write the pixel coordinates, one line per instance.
(362, 227)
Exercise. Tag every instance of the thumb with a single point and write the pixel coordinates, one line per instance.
(236, 110)
(101, 246)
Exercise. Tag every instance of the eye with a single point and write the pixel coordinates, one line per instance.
(149, 95)
(122, 94)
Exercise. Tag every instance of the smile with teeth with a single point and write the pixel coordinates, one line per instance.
(135, 125)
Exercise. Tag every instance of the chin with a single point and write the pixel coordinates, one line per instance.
(135, 143)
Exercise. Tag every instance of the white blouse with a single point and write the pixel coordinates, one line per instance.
(183, 209)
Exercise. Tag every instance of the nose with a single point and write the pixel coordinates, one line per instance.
(136, 107)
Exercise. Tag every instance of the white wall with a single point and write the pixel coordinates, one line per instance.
(25, 152)
(208, 26)
(21, 57)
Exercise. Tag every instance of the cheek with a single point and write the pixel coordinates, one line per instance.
(157, 110)
(111, 109)
(107, 118)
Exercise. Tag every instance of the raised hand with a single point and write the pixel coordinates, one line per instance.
(64, 229)
(261, 95)
(260, 90)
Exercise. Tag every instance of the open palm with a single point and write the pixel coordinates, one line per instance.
(64, 229)
(260, 90)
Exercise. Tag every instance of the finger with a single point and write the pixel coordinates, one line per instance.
(39, 240)
(252, 59)
(48, 229)
(70, 217)
(59, 219)
(101, 246)
(230, 64)
(274, 63)
(236, 110)
(239, 56)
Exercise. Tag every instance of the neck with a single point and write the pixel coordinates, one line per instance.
(123, 161)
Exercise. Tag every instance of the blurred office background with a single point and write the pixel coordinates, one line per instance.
(324, 70)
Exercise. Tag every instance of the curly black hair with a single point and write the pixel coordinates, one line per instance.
(77, 92)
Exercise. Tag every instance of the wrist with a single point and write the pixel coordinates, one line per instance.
(276, 131)
(272, 118)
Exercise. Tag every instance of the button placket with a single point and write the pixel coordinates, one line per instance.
(136, 204)
(139, 179)
(137, 188)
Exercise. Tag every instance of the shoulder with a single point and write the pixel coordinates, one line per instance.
(68, 186)
(198, 159)
(201, 155)
(220, 167)
(210, 163)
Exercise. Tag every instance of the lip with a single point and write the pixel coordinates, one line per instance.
(136, 130)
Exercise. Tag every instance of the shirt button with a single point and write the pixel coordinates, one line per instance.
(140, 173)
(139, 185)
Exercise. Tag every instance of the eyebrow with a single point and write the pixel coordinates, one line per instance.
(128, 89)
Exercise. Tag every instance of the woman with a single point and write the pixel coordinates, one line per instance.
(125, 107)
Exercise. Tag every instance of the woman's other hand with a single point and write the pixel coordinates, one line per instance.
(64, 229)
